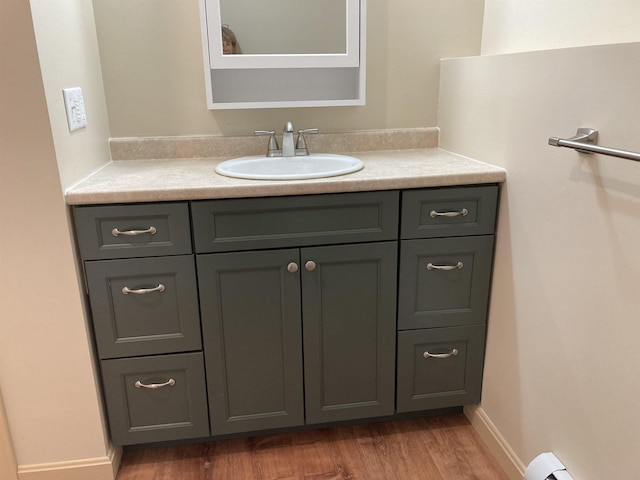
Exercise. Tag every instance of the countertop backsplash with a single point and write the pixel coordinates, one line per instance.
(144, 148)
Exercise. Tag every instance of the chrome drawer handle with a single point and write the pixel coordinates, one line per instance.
(292, 267)
(310, 266)
(452, 353)
(132, 233)
(169, 383)
(464, 212)
(457, 266)
(143, 291)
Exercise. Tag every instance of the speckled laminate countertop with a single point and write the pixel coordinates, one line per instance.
(158, 180)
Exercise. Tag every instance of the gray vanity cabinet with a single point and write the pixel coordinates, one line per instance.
(298, 335)
(218, 317)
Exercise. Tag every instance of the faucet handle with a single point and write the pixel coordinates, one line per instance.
(273, 150)
(301, 144)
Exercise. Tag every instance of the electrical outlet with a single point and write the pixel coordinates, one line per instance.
(74, 105)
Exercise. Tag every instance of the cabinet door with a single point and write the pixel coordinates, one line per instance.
(440, 367)
(349, 298)
(444, 281)
(252, 339)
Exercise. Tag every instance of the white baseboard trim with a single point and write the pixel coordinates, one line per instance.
(99, 468)
(508, 460)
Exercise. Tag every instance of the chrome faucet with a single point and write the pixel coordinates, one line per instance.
(288, 148)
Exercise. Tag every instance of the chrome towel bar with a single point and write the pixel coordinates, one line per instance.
(584, 141)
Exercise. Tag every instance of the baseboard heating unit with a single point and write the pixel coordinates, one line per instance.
(546, 466)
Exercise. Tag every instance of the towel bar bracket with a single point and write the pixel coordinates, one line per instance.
(584, 141)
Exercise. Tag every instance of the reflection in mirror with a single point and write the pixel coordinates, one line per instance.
(230, 44)
(286, 27)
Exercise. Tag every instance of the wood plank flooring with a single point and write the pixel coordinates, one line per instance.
(433, 448)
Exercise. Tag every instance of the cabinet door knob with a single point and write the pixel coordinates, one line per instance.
(310, 266)
(452, 353)
(292, 267)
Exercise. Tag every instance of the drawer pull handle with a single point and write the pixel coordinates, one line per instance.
(292, 267)
(310, 266)
(169, 383)
(457, 266)
(452, 353)
(132, 233)
(143, 291)
(464, 212)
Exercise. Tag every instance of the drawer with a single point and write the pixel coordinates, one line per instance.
(274, 222)
(144, 306)
(445, 212)
(439, 367)
(444, 281)
(155, 399)
(126, 231)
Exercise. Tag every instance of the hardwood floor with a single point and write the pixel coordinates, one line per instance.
(433, 448)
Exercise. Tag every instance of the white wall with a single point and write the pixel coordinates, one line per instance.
(153, 70)
(562, 364)
(68, 53)
(518, 25)
(46, 372)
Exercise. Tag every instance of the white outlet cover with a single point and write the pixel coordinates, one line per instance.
(74, 106)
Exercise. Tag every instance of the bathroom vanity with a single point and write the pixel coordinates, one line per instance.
(294, 303)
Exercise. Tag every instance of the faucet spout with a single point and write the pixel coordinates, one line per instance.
(288, 147)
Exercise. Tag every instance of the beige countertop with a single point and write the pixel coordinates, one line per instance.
(130, 181)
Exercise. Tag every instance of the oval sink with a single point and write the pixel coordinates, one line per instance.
(318, 165)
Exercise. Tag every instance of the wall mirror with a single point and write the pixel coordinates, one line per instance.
(293, 52)
(285, 33)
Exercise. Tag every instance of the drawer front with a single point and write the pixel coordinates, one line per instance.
(445, 212)
(144, 306)
(155, 399)
(126, 231)
(261, 223)
(444, 281)
(440, 367)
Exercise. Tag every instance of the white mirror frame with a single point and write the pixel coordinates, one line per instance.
(247, 61)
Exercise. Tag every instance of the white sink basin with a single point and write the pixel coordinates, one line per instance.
(317, 165)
